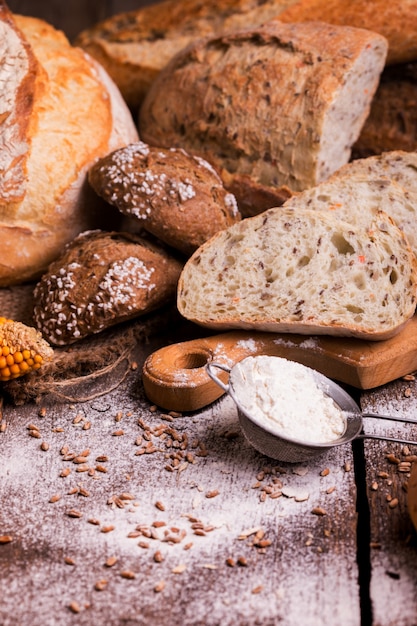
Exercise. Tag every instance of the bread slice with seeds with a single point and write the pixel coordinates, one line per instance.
(360, 200)
(302, 271)
(102, 279)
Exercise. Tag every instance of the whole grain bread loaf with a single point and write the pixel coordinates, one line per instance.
(134, 46)
(302, 271)
(281, 104)
(396, 20)
(174, 196)
(102, 279)
(59, 112)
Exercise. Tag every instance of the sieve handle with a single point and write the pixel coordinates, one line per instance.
(214, 378)
(390, 418)
(383, 438)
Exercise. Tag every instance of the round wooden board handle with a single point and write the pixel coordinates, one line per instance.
(175, 378)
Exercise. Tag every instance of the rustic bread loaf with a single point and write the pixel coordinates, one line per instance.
(59, 112)
(361, 201)
(392, 121)
(135, 46)
(102, 279)
(176, 197)
(395, 20)
(281, 103)
(302, 271)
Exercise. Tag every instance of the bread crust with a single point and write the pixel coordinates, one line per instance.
(174, 196)
(396, 21)
(58, 116)
(136, 45)
(281, 103)
(102, 279)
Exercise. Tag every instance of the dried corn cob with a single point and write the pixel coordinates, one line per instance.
(22, 349)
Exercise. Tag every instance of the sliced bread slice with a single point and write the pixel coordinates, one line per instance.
(302, 271)
(397, 165)
(359, 200)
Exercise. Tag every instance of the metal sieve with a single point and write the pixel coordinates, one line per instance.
(282, 448)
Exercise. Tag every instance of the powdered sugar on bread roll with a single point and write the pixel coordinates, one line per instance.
(302, 271)
(177, 197)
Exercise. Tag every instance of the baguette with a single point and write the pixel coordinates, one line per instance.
(102, 279)
(280, 103)
(302, 271)
(59, 111)
(176, 197)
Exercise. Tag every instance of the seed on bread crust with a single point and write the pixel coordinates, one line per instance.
(102, 279)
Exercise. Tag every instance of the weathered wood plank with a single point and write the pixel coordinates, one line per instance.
(305, 572)
(393, 555)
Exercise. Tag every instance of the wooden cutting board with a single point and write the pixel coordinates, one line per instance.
(175, 378)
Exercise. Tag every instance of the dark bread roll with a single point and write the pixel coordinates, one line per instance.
(103, 278)
(174, 196)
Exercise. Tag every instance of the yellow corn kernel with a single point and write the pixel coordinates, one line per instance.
(22, 349)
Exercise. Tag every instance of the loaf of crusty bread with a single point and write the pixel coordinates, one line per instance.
(396, 20)
(281, 103)
(59, 112)
(302, 271)
(174, 196)
(102, 279)
(392, 121)
(361, 201)
(135, 46)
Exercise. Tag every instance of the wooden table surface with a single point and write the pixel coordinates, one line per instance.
(175, 520)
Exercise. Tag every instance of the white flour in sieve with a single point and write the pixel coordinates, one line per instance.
(284, 396)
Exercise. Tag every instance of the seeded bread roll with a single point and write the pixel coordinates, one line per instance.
(396, 20)
(59, 112)
(102, 279)
(177, 197)
(135, 46)
(280, 103)
(361, 201)
(302, 271)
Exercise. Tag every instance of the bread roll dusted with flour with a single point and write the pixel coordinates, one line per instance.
(281, 104)
(59, 112)
(302, 271)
